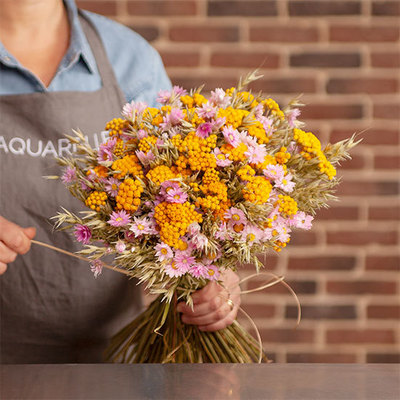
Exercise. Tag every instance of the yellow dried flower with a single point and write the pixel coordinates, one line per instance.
(160, 174)
(116, 126)
(127, 165)
(128, 197)
(287, 205)
(96, 200)
(257, 190)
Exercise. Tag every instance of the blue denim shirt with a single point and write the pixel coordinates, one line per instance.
(137, 66)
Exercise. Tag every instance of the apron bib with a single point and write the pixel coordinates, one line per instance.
(52, 309)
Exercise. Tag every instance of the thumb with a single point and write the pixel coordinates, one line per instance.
(30, 232)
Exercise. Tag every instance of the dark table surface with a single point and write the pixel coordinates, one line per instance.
(201, 381)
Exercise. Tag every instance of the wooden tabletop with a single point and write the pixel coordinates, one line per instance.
(201, 381)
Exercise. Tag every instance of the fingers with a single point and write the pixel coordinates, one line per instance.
(6, 254)
(3, 268)
(30, 232)
(221, 324)
(219, 318)
(14, 237)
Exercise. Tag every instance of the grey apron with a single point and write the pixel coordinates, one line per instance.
(52, 308)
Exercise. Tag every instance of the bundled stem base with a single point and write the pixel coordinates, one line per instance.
(158, 336)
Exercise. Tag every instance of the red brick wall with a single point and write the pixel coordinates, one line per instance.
(344, 57)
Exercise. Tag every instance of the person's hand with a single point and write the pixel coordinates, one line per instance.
(14, 240)
(215, 307)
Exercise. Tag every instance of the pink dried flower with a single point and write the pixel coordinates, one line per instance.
(175, 117)
(112, 186)
(235, 216)
(219, 98)
(119, 218)
(172, 270)
(179, 91)
(207, 110)
(212, 273)
(106, 149)
(221, 159)
(251, 234)
(301, 220)
(166, 186)
(82, 233)
(145, 158)
(198, 270)
(285, 183)
(120, 246)
(204, 130)
(256, 154)
(223, 233)
(96, 266)
(231, 135)
(163, 252)
(69, 175)
(141, 133)
(176, 196)
(130, 110)
(274, 172)
(163, 96)
(292, 117)
(183, 260)
(141, 226)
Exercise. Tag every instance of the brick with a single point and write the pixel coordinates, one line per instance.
(204, 33)
(386, 8)
(362, 85)
(356, 162)
(387, 162)
(284, 34)
(368, 188)
(240, 8)
(360, 336)
(317, 8)
(285, 85)
(299, 286)
(373, 136)
(350, 33)
(387, 111)
(322, 263)
(180, 58)
(100, 7)
(384, 213)
(361, 287)
(162, 8)
(382, 263)
(326, 358)
(322, 312)
(150, 33)
(338, 213)
(385, 59)
(287, 335)
(303, 238)
(245, 59)
(322, 111)
(383, 358)
(259, 310)
(384, 311)
(361, 238)
(326, 60)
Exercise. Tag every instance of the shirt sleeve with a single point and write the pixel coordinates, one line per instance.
(137, 65)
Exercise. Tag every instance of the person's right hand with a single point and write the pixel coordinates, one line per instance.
(14, 240)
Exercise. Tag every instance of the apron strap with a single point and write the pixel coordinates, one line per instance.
(103, 64)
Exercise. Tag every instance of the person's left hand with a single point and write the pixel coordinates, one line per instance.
(212, 311)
